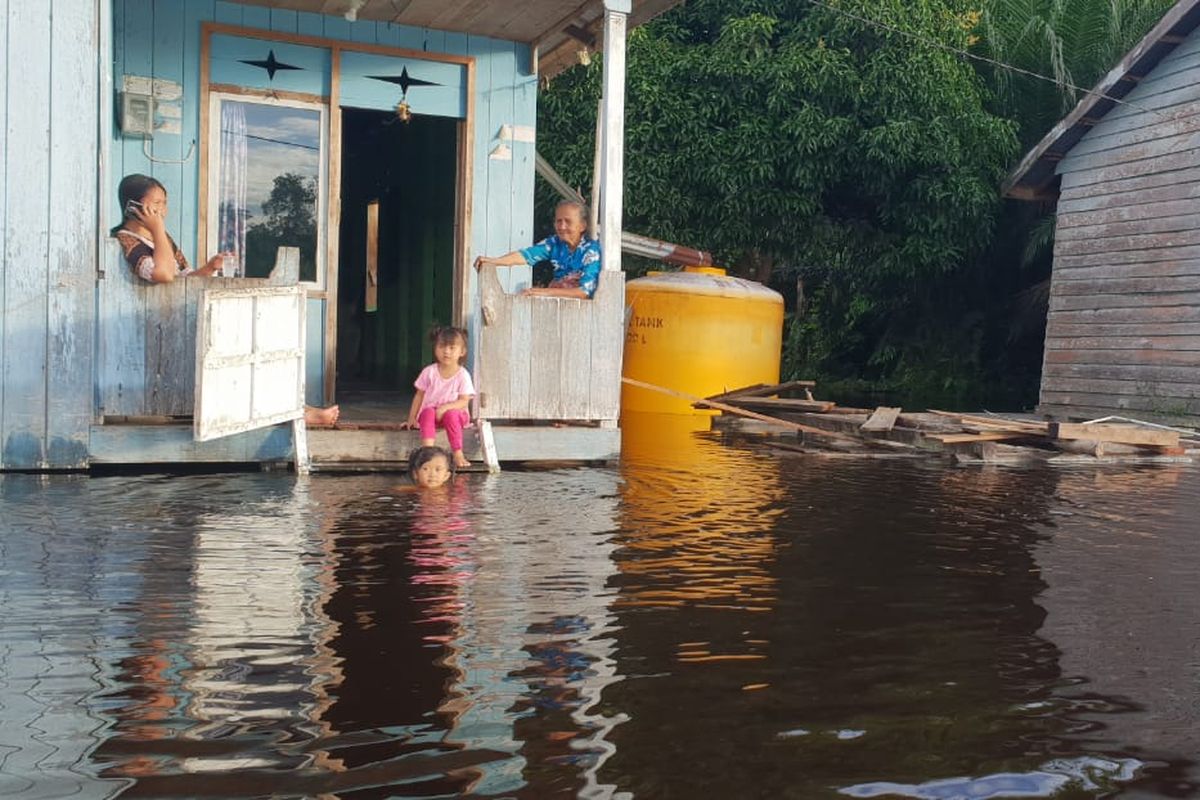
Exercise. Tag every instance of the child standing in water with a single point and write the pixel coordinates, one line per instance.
(444, 390)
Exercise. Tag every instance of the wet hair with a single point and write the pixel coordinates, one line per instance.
(134, 187)
(575, 204)
(449, 335)
(423, 455)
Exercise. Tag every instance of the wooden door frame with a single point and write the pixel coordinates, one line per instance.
(464, 179)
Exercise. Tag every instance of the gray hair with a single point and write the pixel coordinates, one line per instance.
(578, 205)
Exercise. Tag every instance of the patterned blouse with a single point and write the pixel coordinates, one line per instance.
(139, 252)
(573, 269)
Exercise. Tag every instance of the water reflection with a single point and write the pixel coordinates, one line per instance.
(707, 620)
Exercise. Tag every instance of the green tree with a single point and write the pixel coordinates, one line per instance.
(812, 150)
(1074, 42)
(289, 221)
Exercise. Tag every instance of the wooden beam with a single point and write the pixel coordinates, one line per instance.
(784, 404)
(581, 35)
(741, 412)
(1117, 434)
(612, 182)
(882, 419)
(965, 438)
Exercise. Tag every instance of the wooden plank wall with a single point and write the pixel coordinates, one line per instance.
(551, 358)
(161, 38)
(49, 111)
(1123, 333)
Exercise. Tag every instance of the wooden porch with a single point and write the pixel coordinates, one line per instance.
(355, 446)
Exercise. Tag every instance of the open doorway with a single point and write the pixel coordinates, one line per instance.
(397, 205)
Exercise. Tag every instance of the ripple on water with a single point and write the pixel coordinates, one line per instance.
(706, 620)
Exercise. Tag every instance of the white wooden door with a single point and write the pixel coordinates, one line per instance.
(249, 359)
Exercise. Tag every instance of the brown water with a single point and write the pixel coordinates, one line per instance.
(704, 621)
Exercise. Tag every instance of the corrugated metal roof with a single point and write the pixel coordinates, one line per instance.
(1034, 176)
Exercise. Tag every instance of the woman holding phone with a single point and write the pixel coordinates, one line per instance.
(154, 256)
(149, 249)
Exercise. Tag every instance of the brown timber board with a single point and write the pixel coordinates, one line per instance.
(1176, 343)
(1067, 287)
(882, 419)
(1133, 357)
(1060, 330)
(1120, 404)
(1143, 373)
(1094, 301)
(1119, 434)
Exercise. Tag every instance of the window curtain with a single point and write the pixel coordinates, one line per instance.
(231, 234)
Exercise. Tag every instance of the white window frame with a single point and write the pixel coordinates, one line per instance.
(214, 171)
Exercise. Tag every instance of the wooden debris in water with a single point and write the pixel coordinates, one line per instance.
(980, 438)
(1117, 434)
(882, 419)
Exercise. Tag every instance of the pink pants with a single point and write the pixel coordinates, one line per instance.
(453, 421)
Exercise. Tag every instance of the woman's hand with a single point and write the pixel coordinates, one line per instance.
(440, 412)
(214, 265)
(149, 217)
(409, 424)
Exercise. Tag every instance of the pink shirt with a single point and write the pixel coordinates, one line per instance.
(439, 390)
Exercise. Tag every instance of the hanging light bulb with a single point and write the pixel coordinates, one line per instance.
(353, 8)
(403, 111)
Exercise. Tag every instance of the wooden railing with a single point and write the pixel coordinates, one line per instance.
(147, 337)
(551, 358)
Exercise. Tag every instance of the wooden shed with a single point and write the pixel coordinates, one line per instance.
(1123, 170)
(381, 145)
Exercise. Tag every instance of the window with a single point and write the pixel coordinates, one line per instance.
(267, 183)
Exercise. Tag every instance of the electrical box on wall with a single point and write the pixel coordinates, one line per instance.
(136, 116)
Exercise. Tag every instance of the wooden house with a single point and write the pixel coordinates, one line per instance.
(377, 147)
(1123, 173)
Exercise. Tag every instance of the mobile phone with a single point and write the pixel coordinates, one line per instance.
(132, 207)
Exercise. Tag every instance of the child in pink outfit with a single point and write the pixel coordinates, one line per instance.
(444, 390)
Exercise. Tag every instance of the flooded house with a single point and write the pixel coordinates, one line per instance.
(355, 156)
(1120, 172)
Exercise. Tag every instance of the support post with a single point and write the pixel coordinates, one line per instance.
(300, 445)
(612, 180)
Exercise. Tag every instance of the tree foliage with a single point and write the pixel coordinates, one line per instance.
(1074, 42)
(290, 221)
(844, 151)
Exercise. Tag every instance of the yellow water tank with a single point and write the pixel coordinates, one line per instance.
(701, 332)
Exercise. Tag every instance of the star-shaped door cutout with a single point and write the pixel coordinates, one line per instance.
(403, 80)
(271, 65)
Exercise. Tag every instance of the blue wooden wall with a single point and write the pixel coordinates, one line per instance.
(161, 38)
(49, 93)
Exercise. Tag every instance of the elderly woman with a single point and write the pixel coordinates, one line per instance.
(575, 257)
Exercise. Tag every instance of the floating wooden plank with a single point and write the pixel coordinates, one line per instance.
(1118, 434)
(963, 438)
(741, 412)
(784, 404)
(882, 419)
(1041, 428)
(763, 390)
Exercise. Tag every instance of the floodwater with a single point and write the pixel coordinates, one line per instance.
(705, 620)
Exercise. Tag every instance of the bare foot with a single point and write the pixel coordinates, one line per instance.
(321, 416)
(460, 461)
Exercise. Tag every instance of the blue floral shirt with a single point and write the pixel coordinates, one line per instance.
(577, 269)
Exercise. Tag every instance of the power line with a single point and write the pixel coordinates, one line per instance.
(984, 59)
(268, 139)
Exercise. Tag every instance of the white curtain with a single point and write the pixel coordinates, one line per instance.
(231, 233)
